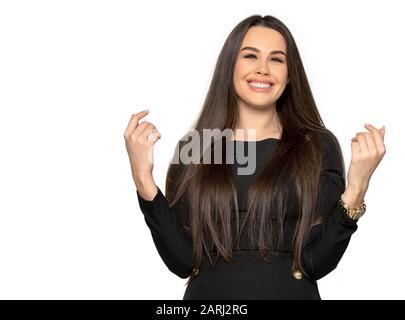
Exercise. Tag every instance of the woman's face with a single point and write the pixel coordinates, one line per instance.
(266, 64)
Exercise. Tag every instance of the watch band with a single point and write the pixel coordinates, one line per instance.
(353, 213)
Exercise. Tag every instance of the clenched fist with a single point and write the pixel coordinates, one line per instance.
(368, 150)
(139, 141)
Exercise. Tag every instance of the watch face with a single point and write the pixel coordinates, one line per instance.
(358, 214)
(353, 214)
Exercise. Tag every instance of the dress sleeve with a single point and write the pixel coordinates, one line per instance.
(169, 234)
(328, 241)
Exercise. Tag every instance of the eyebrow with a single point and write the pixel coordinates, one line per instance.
(257, 50)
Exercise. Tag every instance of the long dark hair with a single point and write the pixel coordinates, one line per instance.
(209, 190)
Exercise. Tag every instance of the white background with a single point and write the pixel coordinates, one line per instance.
(73, 72)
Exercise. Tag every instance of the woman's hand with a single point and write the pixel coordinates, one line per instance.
(139, 141)
(367, 151)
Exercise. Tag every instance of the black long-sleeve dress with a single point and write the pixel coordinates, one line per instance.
(247, 276)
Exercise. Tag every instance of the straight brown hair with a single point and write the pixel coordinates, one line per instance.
(209, 189)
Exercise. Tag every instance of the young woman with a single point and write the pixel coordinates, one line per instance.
(273, 233)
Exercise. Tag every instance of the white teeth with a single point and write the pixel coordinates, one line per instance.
(260, 84)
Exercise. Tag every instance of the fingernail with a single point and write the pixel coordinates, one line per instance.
(146, 110)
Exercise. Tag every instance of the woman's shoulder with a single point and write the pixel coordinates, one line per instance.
(331, 151)
(327, 138)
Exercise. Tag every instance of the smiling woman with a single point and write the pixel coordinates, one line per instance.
(273, 233)
(261, 68)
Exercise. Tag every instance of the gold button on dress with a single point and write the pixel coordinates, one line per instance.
(196, 271)
(297, 275)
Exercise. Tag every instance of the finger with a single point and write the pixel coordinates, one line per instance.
(378, 136)
(371, 144)
(371, 128)
(355, 149)
(156, 133)
(383, 131)
(133, 122)
(149, 133)
(362, 142)
(143, 129)
(154, 136)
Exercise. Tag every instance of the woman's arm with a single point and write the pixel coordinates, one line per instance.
(171, 241)
(328, 241)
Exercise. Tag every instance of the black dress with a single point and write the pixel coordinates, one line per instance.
(247, 276)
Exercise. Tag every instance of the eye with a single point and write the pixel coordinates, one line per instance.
(253, 56)
(250, 55)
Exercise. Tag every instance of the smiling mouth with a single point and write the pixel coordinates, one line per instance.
(259, 86)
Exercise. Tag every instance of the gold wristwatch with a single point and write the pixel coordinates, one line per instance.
(353, 213)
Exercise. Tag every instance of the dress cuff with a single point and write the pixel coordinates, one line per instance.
(342, 216)
(154, 203)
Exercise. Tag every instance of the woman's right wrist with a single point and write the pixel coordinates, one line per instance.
(146, 186)
(142, 178)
